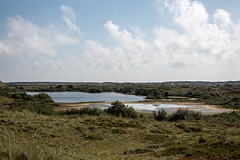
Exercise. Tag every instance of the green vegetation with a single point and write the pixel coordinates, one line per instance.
(120, 110)
(82, 111)
(226, 94)
(180, 114)
(185, 114)
(117, 109)
(2, 85)
(31, 129)
(18, 101)
(41, 103)
(160, 115)
(34, 136)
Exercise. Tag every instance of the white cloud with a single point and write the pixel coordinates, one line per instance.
(198, 42)
(192, 42)
(69, 18)
(69, 12)
(201, 37)
(222, 18)
(24, 37)
(49, 64)
(186, 14)
(65, 39)
(168, 48)
(96, 56)
(137, 51)
(137, 31)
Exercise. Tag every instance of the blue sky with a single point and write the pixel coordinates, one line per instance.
(164, 40)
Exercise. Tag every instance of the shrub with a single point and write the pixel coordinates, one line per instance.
(5, 93)
(185, 114)
(41, 103)
(233, 116)
(38, 107)
(16, 96)
(26, 97)
(43, 98)
(160, 115)
(120, 110)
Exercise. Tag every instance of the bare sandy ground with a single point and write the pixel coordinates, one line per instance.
(65, 106)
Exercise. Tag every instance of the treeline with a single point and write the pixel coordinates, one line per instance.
(192, 83)
(151, 91)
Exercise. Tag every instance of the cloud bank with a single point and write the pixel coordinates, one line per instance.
(195, 39)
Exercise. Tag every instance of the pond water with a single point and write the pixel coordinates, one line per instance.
(152, 107)
(73, 97)
(173, 107)
(142, 106)
(170, 108)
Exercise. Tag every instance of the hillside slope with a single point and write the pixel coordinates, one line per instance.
(2, 85)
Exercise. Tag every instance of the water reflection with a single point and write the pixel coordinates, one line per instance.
(152, 107)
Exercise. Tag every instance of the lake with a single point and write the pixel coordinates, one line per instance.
(73, 97)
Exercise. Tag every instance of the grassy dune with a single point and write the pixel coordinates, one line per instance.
(2, 85)
(27, 135)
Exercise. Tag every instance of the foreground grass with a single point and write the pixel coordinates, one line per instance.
(26, 135)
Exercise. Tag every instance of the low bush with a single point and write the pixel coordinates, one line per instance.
(120, 110)
(180, 114)
(160, 115)
(43, 98)
(185, 114)
(233, 116)
(41, 103)
(117, 109)
(38, 107)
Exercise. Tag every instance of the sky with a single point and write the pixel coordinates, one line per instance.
(119, 41)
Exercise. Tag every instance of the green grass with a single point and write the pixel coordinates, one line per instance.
(5, 100)
(34, 136)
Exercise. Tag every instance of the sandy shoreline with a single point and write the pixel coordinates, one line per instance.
(212, 108)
